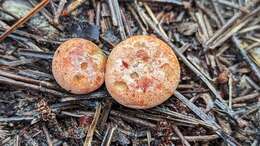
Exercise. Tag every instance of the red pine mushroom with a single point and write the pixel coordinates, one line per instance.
(142, 72)
(78, 66)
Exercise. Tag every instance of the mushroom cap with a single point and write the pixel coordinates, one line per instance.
(78, 66)
(142, 72)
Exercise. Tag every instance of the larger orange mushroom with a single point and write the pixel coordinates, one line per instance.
(79, 66)
(142, 72)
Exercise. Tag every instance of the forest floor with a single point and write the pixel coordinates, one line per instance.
(216, 103)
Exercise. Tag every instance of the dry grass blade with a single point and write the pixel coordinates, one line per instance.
(230, 140)
(183, 117)
(231, 31)
(92, 127)
(223, 28)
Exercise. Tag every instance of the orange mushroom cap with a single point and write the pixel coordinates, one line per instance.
(142, 72)
(78, 66)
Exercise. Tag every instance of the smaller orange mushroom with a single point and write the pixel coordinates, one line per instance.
(78, 66)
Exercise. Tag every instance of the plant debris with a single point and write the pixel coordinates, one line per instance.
(216, 103)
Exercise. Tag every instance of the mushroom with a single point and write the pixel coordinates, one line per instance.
(78, 66)
(142, 72)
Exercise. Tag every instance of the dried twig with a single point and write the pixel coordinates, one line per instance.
(45, 13)
(46, 132)
(28, 80)
(205, 138)
(92, 126)
(32, 86)
(177, 2)
(223, 28)
(108, 136)
(178, 132)
(16, 119)
(231, 4)
(59, 11)
(72, 6)
(245, 98)
(17, 140)
(137, 19)
(98, 13)
(116, 14)
(24, 19)
(133, 119)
